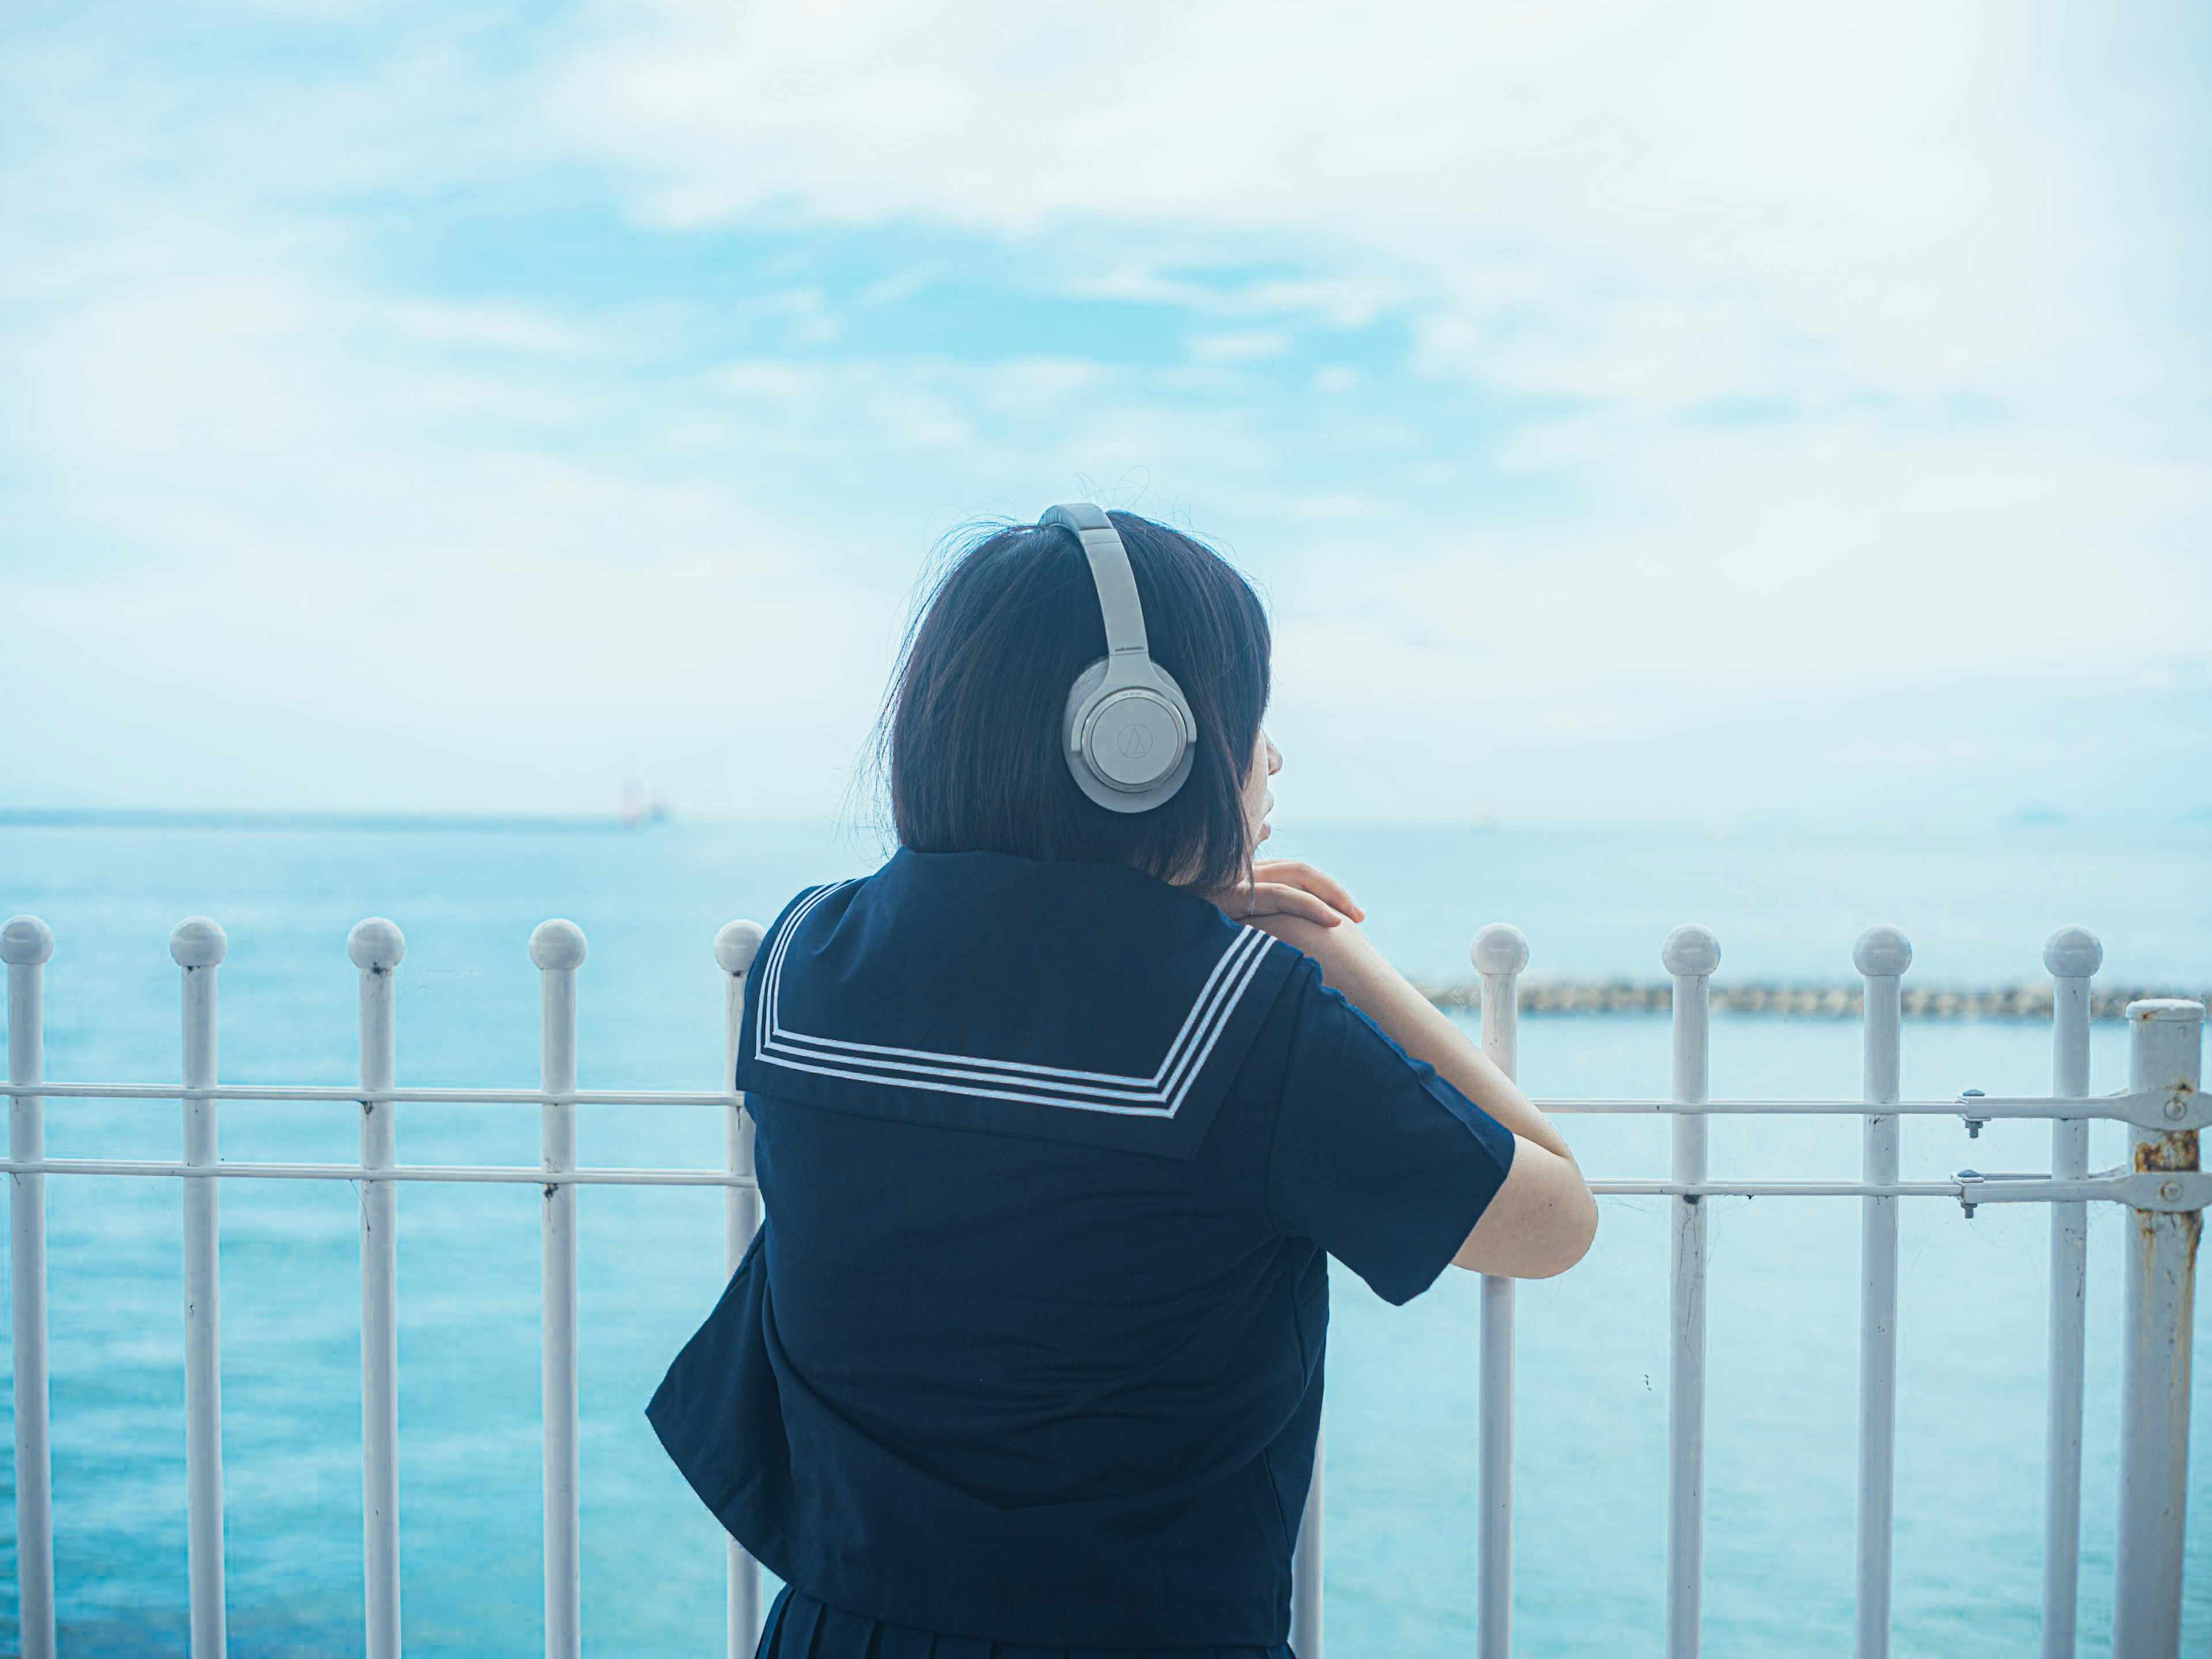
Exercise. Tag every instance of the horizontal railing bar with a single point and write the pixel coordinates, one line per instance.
(518, 1174)
(358, 1096)
(2189, 1190)
(2145, 1107)
(2149, 1108)
(1815, 1108)
(2138, 1189)
(1791, 1189)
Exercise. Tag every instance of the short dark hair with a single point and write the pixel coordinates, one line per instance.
(972, 731)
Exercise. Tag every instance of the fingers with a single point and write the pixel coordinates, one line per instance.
(1293, 872)
(1268, 898)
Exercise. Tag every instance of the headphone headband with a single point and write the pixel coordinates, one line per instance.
(1129, 733)
(1118, 605)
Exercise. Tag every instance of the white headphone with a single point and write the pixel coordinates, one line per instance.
(1129, 736)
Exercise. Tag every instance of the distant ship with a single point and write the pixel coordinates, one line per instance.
(639, 808)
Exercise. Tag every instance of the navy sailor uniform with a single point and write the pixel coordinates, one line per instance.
(1028, 1349)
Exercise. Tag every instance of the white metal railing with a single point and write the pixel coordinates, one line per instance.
(2163, 1187)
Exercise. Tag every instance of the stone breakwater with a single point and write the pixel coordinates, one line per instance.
(1830, 1002)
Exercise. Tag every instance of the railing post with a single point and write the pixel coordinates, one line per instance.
(735, 948)
(26, 946)
(1499, 955)
(2073, 955)
(557, 947)
(2164, 1054)
(377, 947)
(1306, 1561)
(1881, 956)
(1690, 955)
(198, 946)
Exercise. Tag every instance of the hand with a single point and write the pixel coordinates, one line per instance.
(1285, 887)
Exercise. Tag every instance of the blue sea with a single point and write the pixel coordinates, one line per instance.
(1591, 1404)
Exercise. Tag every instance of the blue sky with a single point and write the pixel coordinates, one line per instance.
(1634, 412)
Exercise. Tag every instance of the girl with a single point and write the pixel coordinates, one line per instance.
(1059, 1115)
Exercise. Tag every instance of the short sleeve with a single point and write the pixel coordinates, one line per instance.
(1376, 1158)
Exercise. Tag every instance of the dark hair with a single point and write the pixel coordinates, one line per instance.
(973, 726)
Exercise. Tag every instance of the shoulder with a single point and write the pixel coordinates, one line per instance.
(1299, 1016)
(827, 898)
(806, 900)
(1306, 991)
(1330, 1044)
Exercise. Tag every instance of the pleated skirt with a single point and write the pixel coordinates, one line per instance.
(799, 1627)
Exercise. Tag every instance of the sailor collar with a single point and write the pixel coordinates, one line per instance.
(1087, 1003)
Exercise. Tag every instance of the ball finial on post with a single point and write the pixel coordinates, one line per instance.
(199, 942)
(2073, 953)
(1690, 949)
(375, 945)
(556, 943)
(26, 942)
(736, 945)
(1881, 951)
(1500, 948)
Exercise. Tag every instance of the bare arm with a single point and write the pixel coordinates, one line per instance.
(1543, 1219)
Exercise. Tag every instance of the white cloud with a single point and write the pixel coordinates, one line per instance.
(1662, 200)
(305, 544)
(1715, 357)
(1244, 346)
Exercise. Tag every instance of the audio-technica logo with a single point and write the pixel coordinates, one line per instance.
(1134, 740)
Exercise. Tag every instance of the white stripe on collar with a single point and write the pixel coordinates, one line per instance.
(1160, 1095)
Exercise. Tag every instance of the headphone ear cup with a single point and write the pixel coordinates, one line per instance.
(1133, 738)
(1129, 746)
